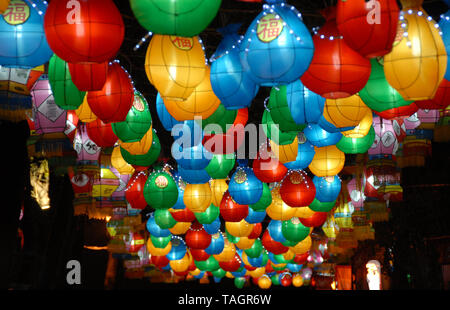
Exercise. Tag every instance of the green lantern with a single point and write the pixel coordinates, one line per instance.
(264, 201)
(160, 190)
(294, 230)
(208, 216)
(273, 132)
(280, 112)
(137, 123)
(66, 94)
(175, 17)
(319, 206)
(218, 273)
(220, 117)
(378, 94)
(220, 165)
(211, 264)
(279, 259)
(256, 249)
(289, 243)
(357, 145)
(275, 278)
(231, 238)
(145, 160)
(160, 242)
(239, 282)
(164, 219)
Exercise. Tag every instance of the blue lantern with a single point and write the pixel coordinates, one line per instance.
(214, 227)
(444, 24)
(179, 205)
(254, 217)
(305, 154)
(259, 261)
(244, 187)
(167, 120)
(154, 228)
(294, 267)
(275, 231)
(178, 250)
(217, 244)
(192, 158)
(306, 106)
(191, 176)
(327, 188)
(22, 35)
(277, 47)
(320, 137)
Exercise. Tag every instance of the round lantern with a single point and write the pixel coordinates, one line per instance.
(191, 157)
(273, 132)
(158, 251)
(361, 145)
(305, 154)
(264, 282)
(381, 97)
(232, 211)
(272, 245)
(84, 31)
(178, 250)
(197, 238)
(228, 253)
(336, 70)
(440, 101)
(327, 188)
(119, 163)
(255, 250)
(231, 265)
(192, 176)
(256, 232)
(217, 244)
(164, 219)
(175, 65)
(197, 197)
(368, 27)
(89, 76)
(315, 220)
(417, 63)
(218, 188)
(180, 228)
(220, 166)
(294, 230)
(297, 189)
(345, 112)
(297, 280)
(363, 127)
(328, 161)
(302, 246)
(178, 17)
(183, 215)
(24, 43)
(164, 116)
(239, 229)
(264, 201)
(134, 193)
(48, 117)
(277, 38)
(159, 261)
(137, 123)
(112, 103)
(210, 264)
(278, 210)
(85, 113)
(101, 133)
(254, 217)
(155, 230)
(199, 255)
(319, 137)
(288, 152)
(67, 96)
(144, 160)
(266, 168)
(275, 231)
(181, 265)
(209, 215)
(244, 187)
(142, 146)
(160, 190)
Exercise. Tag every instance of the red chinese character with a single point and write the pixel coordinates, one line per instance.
(270, 29)
(182, 42)
(16, 13)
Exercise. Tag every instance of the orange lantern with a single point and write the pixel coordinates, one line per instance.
(239, 229)
(180, 228)
(218, 189)
(362, 129)
(197, 197)
(141, 147)
(328, 161)
(119, 163)
(85, 113)
(285, 153)
(278, 210)
(302, 247)
(244, 243)
(228, 253)
(157, 251)
(345, 112)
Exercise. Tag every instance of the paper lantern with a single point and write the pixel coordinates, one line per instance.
(180, 18)
(181, 265)
(208, 216)
(155, 251)
(160, 190)
(255, 217)
(257, 229)
(175, 65)
(197, 197)
(440, 100)
(137, 122)
(199, 255)
(24, 43)
(285, 153)
(305, 154)
(357, 145)
(157, 231)
(277, 38)
(228, 253)
(368, 27)
(302, 247)
(220, 166)
(182, 215)
(85, 113)
(255, 250)
(89, 76)
(48, 117)
(67, 96)
(192, 176)
(319, 137)
(264, 282)
(134, 193)
(264, 201)
(202, 102)
(232, 211)
(275, 231)
(336, 70)
(209, 265)
(145, 160)
(178, 250)
(86, 149)
(84, 31)
(244, 187)
(381, 97)
(345, 112)
(190, 157)
(180, 228)
(231, 84)
(164, 116)
(119, 163)
(327, 188)
(197, 238)
(159, 261)
(328, 161)
(363, 127)
(272, 245)
(112, 103)
(417, 63)
(385, 142)
(278, 210)
(101, 133)
(266, 168)
(163, 218)
(231, 265)
(218, 188)
(239, 229)
(141, 147)
(297, 189)
(273, 132)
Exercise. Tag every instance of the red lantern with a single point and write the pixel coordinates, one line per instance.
(136, 243)
(134, 193)
(368, 27)
(183, 215)
(199, 255)
(159, 261)
(112, 103)
(271, 245)
(102, 134)
(181, 274)
(440, 101)
(231, 265)
(286, 279)
(297, 189)
(232, 211)
(82, 182)
(301, 258)
(84, 31)
(406, 110)
(315, 220)
(268, 169)
(89, 76)
(197, 237)
(336, 70)
(256, 232)
(192, 266)
(269, 268)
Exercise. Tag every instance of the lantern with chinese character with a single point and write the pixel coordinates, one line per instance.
(197, 197)
(336, 71)
(328, 161)
(244, 187)
(320, 137)
(24, 43)
(417, 63)
(112, 103)
(101, 133)
(160, 190)
(297, 189)
(440, 100)
(361, 145)
(175, 65)
(368, 27)
(86, 149)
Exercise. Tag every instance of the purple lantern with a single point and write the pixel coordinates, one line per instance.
(87, 150)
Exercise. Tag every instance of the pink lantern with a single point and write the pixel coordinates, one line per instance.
(87, 150)
(386, 142)
(411, 122)
(428, 116)
(356, 191)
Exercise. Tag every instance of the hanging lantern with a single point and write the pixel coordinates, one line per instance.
(320, 137)
(319, 206)
(161, 191)
(218, 188)
(255, 217)
(85, 113)
(301, 247)
(101, 133)
(356, 145)
(175, 65)
(231, 265)
(134, 193)
(217, 244)
(297, 189)
(244, 187)
(385, 142)
(182, 215)
(155, 230)
(119, 163)
(197, 238)
(239, 229)
(264, 201)
(232, 211)
(164, 116)
(272, 245)
(142, 146)
(440, 101)
(363, 128)
(24, 42)
(266, 168)
(86, 149)
(208, 216)
(190, 157)
(89, 76)
(197, 197)
(158, 251)
(278, 209)
(328, 161)
(144, 160)
(336, 71)
(417, 63)
(305, 154)
(273, 132)
(345, 112)
(112, 103)
(277, 38)
(368, 27)
(164, 219)
(327, 188)
(181, 265)
(67, 96)
(285, 153)
(220, 166)
(192, 176)
(180, 228)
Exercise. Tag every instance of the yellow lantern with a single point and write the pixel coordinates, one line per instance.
(229, 275)
(3, 5)
(345, 112)
(245, 243)
(328, 161)
(258, 272)
(180, 228)
(303, 212)
(119, 163)
(157, 251)
(195, 272)
(197, 197)
(239, 229)
(228, 253)
(297, 280)
(218, 188)
(278, 210)
(264, 282)
(181, 265)
(302, 247)
(285, 153)
(288, 255)
(140, 147)
(85, 113)
(418, 61)
(330, 227)
(175, 65)
(362, 129)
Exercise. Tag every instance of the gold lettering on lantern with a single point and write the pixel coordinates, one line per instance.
(269, 28)
(17, 13)
(182, 43)
(73, 16)
(161, 181)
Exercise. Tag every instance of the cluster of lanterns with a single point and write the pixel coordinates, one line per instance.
(332, 93)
